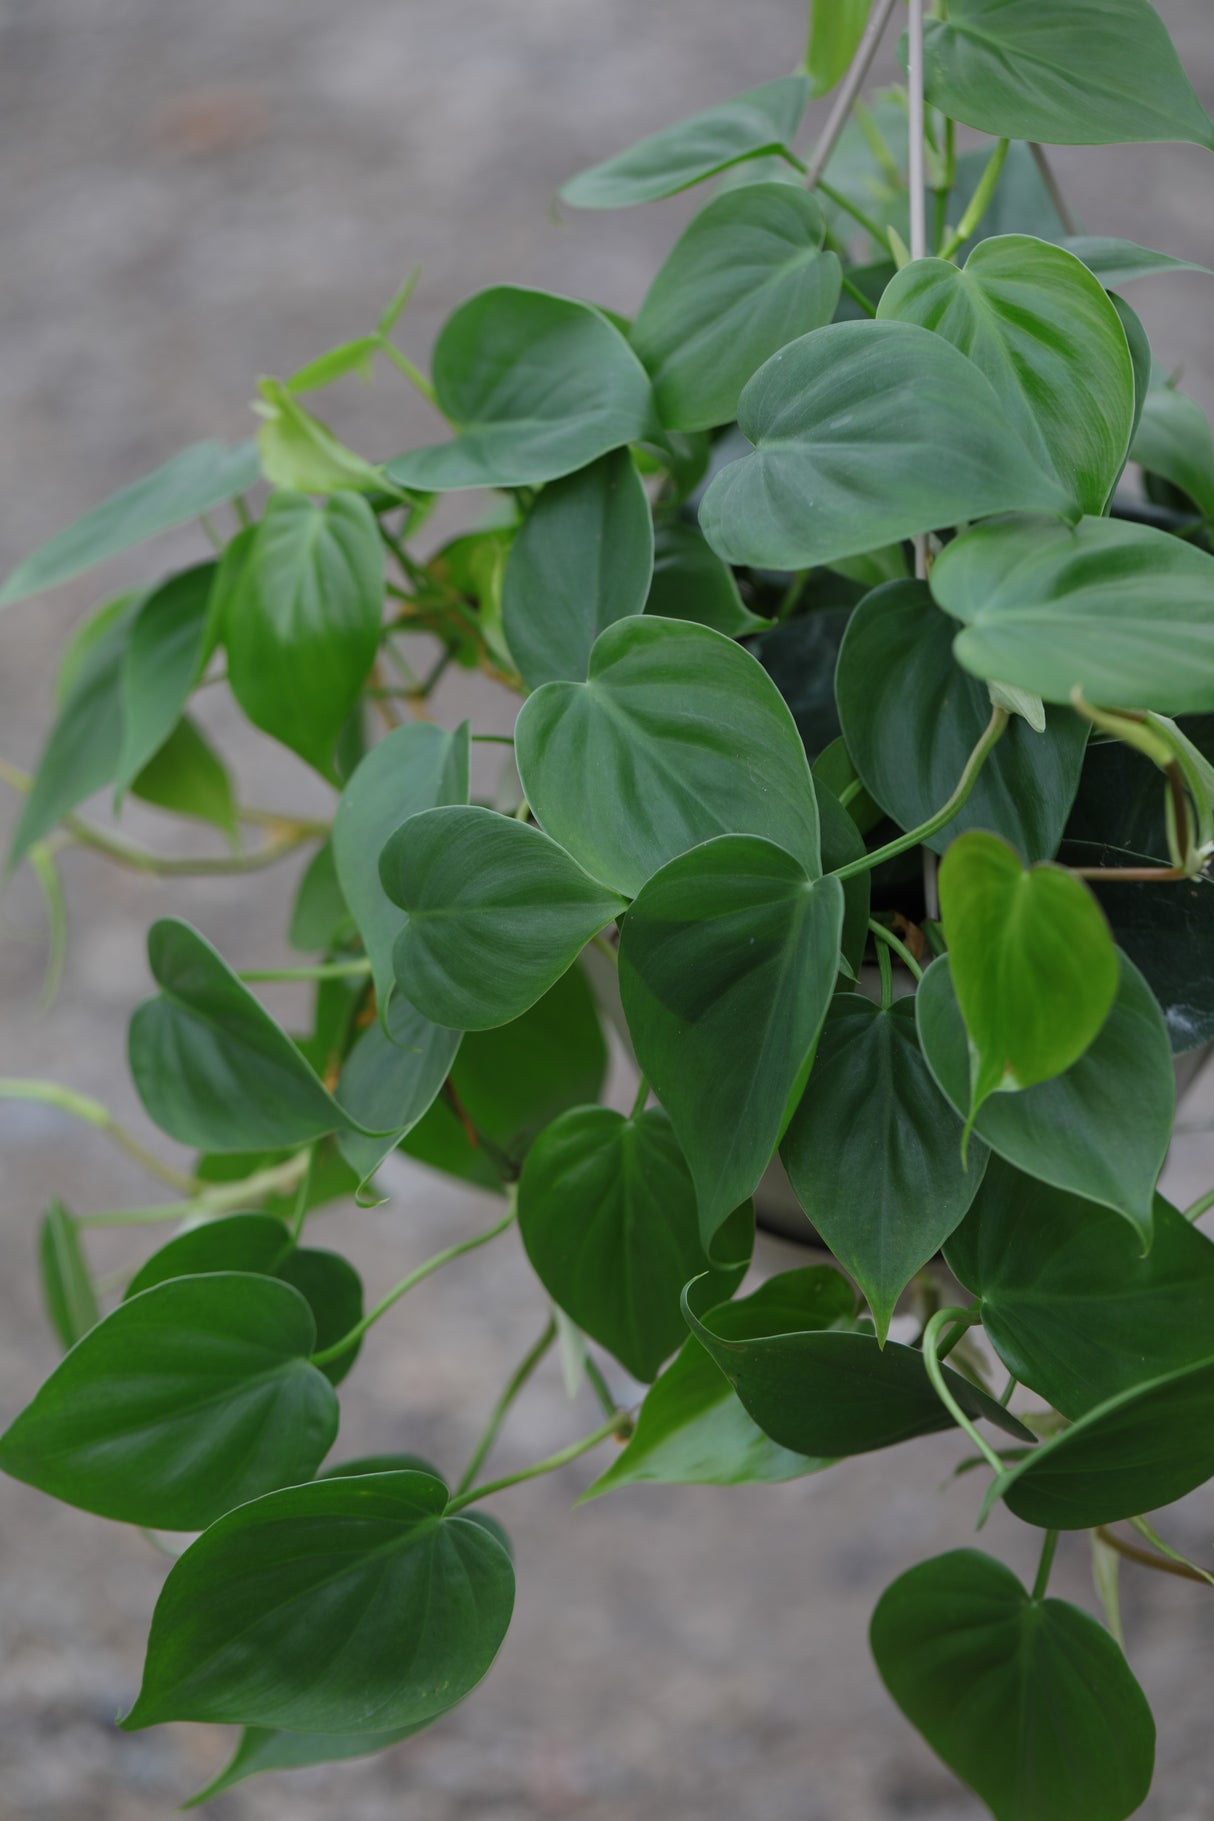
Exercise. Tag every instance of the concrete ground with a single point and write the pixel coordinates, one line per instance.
(193, 195)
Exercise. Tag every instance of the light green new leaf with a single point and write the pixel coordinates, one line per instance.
(607, 1212)
(582, 558)
(677, 735)
(690, 582)
(67, 1288)
(835, 30)
(351, 1604)
(302, 455)
(192, 482)
(496, 914)
(164, 658)
(187, 777)
(1122, 611)
(747, 276)
(873, 1151)
(418, 766)
(728, 960)
(1070, 1302)
(1118, 262)
(1060, 1131)
(185, 1401)
(748, 126)
(691, 1428)
(1173, 440)
(1096, 72)
(866, 433)
(1035, 321)
(302, 624)
(536, 386)
(1027, 1700)
(1032, 962)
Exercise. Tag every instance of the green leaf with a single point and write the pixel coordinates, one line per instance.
(302, 455)
(191, 482)
(302, 625)
(727, 964)
(1136, 1452)
(419, 766)
(210, 1064)
(911, 717)
(497, 913)
(827, 1392)
(357, 356)
(188, 778)
(389, 1080)
(67, 1288)
(1033, 964)
(320, 915)
(536, 386)
(164, 658)
(1118, 610)
(1035, 321)
(888, 429)
(640, 762)
(835, 30)
(1173, 440)
(581, 559)
(690, 582)
(1060, 1132)
(1027, 1700)
(607, 1213)
(874, 1150)
(186, 1401)
(800, 656)
(357, 1606)
(262, 1748)
(748, 126)
(1117, 262)
(1070, 1302)
(1140, 355)
(691, 1429)
(743, 279)
(261, 1244)
(1102, 73)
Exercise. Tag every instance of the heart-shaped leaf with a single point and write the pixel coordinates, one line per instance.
(1027, 1700)
(874, 1150)
(641, 762)
(1032, 961)
(536, 386)
(164, 656)
(760, 120)
(911, 717)
(354, 1602)
(1117, 262)
(607, 1212)
(887, 429)
(1120, 610)
(497, 913)
(743, 279)
(727, 963)
(1060, 1131)
(1035, 321)
(582, 558)
(184, 1402)
(1070, 1301)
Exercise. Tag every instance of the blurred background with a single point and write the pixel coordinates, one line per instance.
(196, 195)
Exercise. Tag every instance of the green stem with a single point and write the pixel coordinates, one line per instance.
(1196, 1209)
(501, 1409)
(210, 1201)
(849, 208)
(899, 947)
(324, 970)
(600, 1387)
(980, 201)
(1045, 1564)
(92, 1112)
(300, 1211)
(415, 377)
(616, 1425)
(965, 784)
(42, 860)
(857, 296)
(887, 977)
(355, 1334)
(642, 1095)
(944, 1318)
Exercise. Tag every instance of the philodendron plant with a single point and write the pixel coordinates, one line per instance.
(861, 773)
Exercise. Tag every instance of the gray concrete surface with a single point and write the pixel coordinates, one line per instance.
(193, 195)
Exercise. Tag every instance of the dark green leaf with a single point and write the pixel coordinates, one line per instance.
(355, 1605)
(607, 1212)
(1060, 1132)
(187, 1400)
(747, 276)
(1119, 610)
(1117, 262)
(1140, 355)
(263, 1748)
(727, 963)
(1173, 440)
(536, 386)
(800, 658)
(164, 657)
(188, 778)
(389, 1080)
(1028, 1700)
(582, 559)
(1069, 1300)
(195, 480)
(641, 762)
(67, 1288)
(758, 121)
(888, 429)
(874, 1150)
(320, 915)
(690, 582)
